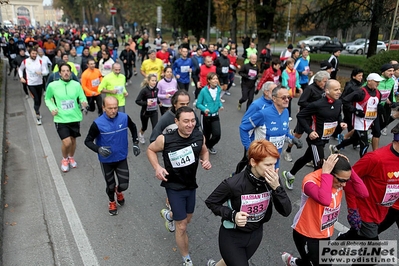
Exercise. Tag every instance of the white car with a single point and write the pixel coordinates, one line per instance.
(358, 47)
(314, 41)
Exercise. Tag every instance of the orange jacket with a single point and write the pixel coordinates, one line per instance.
(90, 81)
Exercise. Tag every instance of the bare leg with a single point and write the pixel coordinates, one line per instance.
(66, 147)
(72, 149)
(181, 235)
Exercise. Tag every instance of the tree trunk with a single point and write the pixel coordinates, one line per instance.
(264, 21)
(378, 7)
(234, 20)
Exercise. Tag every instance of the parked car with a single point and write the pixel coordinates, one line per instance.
(394, 45)
(314, 40)
(358, 47)
(351, 43)
(328, 46)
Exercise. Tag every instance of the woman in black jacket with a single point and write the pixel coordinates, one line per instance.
(148, 100)
(250, 196)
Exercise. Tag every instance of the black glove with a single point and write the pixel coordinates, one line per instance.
(256, 91)
(104, 151)
(297, 142)
(136, 149)
(85, 110)
(359, 113)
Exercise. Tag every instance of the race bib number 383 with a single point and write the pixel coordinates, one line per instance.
(182, 157)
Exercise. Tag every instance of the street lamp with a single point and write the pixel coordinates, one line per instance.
(208, 26)
(393, 24)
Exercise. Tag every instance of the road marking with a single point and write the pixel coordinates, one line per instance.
(82, 241)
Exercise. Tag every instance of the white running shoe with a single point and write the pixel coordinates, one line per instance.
(170, 225)
(141, 138)
(384, 131)
(188, 262)
(287, 156)
(288, 259)
(211, 262)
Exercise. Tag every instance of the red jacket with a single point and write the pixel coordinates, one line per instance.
(269, 75)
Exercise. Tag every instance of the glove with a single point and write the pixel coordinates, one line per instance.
(104, 151)
(359, 113)
(256, 91)
(354, 218)
(85, 110)
(297, 142)
(136, 149)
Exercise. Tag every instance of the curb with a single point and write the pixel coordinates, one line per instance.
(3, 138)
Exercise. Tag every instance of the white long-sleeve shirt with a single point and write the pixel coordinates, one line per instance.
(32, 68)
(46, 62)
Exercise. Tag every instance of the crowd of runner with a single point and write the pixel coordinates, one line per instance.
(79, 71)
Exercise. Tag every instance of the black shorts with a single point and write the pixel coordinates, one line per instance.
(66, 130)
(223, 80)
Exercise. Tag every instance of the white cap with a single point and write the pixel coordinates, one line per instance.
(375, 77)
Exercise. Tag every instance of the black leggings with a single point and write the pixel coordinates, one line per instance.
(237, 247)
(144, 117)
(211, 130)
(308, 249)
(37, 92)
(392, 217)
(128, 71)
(183, 86)
(357, 137)
(313, 152)
(92, 101)
(25, 88)
(247, 93)
(122, 173)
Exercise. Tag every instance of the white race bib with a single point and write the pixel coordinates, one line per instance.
(119, 89)
(67, 104)
(278, 141)
(151, 104)
(182, 158)
(391, 195)
(225, 70)
(95, 82)
(184, 69)
(328, 129)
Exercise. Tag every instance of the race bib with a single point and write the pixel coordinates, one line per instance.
(182, 158)
(276, 79)
(184, 69)
(107, 66)
(151, 104)
(278, 141)
(371, 113)
(307, 68)
(119, 89)
(255, 205)
(50, 51)
(67, 104)
(330, 216)
(384, 95)
(95, 82)
(13, 56)
(328, 129)
(391, 195)
(170, 91)
(225, 70)
(252, 73)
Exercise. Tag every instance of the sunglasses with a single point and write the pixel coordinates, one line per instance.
(284, 98)
(340, 180)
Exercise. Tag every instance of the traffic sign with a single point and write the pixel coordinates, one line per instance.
(96, 20)
(113, 10)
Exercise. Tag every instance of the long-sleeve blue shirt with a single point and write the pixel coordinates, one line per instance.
(302, 65)
(182, 67)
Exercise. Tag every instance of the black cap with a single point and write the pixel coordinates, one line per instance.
(385, 67)
(290, 46)
(324, 65)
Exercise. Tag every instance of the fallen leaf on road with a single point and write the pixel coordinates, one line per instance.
(6, 205)
(106, 258)
(13, 223)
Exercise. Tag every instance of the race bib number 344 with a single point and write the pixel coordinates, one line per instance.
(182, 157)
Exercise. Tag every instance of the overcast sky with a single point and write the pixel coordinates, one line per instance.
(46, 2)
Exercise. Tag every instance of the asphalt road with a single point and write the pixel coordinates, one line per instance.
(54, 218)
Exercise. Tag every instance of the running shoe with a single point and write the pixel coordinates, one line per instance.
(287, 156)
(212, 151)
(170, 225)
(290, 118)
(120, 199)
(288, 259)
(65, 165)
(310, 164)
(384, 131)
(38, 120)
(141, 138)
(26, 96)
(135, 73)
(227, 93)
(113, 210)
(211, 262)
(333, 149)
(233, 84)
(340, 138)
(188, 262)
(222, 100)
(195, 103)
(239, 106)
(289, 179)
(72, 162)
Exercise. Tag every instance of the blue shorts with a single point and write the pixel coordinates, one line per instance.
(182, 202)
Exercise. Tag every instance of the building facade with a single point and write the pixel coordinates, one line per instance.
(23, 12)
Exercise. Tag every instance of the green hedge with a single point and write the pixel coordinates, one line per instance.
(374, 63)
